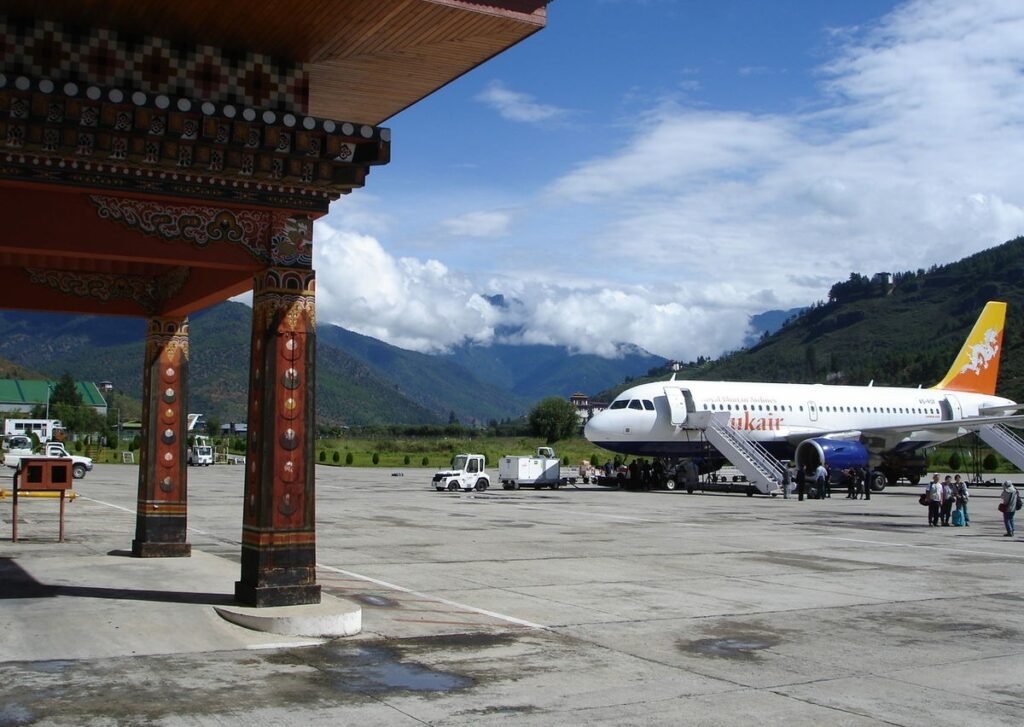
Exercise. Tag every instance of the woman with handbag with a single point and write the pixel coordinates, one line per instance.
(1009, 503)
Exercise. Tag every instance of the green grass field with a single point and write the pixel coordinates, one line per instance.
(435, 452)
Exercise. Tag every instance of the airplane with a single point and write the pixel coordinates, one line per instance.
(882, 428)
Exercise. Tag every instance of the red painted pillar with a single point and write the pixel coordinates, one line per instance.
(278, 526)
(162, 513)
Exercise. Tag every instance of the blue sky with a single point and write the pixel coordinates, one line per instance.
(656, 171)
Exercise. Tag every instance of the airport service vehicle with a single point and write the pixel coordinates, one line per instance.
(466, 473)
(542, 469)
(45, 429)
(79, 465)
(200, 454)
(882, 428)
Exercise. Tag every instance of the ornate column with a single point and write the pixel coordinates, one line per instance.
(161, 517)
(278, 527)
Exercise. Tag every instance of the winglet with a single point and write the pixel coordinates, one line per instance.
(976, 367)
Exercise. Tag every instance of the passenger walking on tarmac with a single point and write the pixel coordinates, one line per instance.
(801, 483)
(850, 481)
(934, 494)
(948, 498)
(962, 494)
(1009, 502)
(820, 480)
(867, 483)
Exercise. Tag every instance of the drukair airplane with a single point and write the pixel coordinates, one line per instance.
(754, 424)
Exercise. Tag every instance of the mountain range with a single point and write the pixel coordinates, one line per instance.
(360, 380)
(893, 329)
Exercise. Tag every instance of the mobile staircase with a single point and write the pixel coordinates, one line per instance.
(1001, 439)
(762, 470)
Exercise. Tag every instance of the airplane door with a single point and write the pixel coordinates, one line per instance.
(951, 409)
(679, 402)
(812, 411)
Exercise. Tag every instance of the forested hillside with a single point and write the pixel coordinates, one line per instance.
(903, 334)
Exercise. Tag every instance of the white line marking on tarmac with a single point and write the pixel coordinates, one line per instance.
(930, 547)
(455, 604)
(133, 512)
(108, 504)
(287, 644)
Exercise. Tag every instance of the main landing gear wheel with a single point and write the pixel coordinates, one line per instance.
(670, 484)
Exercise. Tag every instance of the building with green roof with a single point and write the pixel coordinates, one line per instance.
(23, 394)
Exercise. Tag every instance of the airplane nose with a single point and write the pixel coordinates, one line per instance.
(592, 430)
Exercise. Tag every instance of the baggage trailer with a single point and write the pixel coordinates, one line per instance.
(543, 469)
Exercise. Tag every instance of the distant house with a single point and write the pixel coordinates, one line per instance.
(586, 407)
(23, 394)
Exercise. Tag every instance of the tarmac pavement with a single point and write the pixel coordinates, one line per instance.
(576, 606)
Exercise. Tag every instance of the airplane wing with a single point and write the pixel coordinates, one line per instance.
(892, 435)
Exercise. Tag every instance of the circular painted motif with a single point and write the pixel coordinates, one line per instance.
(289, 439)
(290, 379)
(167, 484)
(168, 436)
(169, 395)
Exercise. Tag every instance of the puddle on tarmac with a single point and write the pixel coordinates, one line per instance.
(55, 666)
(729, 647)
(15, 715)
(372, 669)
(378, 601)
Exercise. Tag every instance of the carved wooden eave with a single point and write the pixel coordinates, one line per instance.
(133, 141)
(155, 156)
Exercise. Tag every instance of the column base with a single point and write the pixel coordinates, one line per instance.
(161, 550)
(260, 597)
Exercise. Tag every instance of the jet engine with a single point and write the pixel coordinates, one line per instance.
(833, 453)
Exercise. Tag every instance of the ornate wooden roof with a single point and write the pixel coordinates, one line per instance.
(154, 156)
(366, 60)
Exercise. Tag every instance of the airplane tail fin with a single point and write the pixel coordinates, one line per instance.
(976, 367)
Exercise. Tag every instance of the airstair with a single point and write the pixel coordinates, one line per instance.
(761, 469)
(1002, 440)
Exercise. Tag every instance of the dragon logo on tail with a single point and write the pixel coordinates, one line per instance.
(983, 353)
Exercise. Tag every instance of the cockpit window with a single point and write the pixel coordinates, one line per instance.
(619, 404)
(635, 404)
(648, 405)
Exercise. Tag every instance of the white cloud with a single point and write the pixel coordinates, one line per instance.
(696, 218)
(517, 106)
(484, 223)
(902, 164)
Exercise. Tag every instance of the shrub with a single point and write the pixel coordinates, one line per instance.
(376, 458)
(323, 455)
(336, 457)
(349, 458)
(425, 461)
(991, 462)
(595, 460)
(407, 459)
(954, 461)
(78, 445)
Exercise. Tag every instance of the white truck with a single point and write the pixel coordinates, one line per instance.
(79, 465)
(200, 454)
(466, 473)
(543, 469)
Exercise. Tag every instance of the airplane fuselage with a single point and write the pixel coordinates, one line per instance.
(652, 419)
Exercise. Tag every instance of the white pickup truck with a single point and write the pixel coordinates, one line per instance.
(79, 465)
